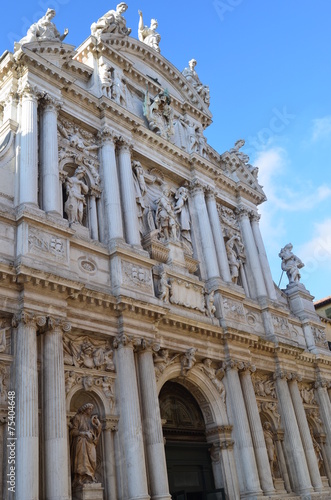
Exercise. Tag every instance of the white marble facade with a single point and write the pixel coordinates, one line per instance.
(131, 257)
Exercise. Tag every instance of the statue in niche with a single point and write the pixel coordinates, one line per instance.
(181, 209)
(202, 143)
(145, 215)
(118, 88)
(318, 451)
(210, 304)
(76, 191)
(148, 35)
(106, 79)
(165, 218)
(192, 77)
(164, 288)
(291, 264)
(42, 30)
(85, 430)
(159, 114)
(270, 445)
(112, 22)
(215, 376)
(3, 342)
(234, 261)
(192, 137)
(188, 360)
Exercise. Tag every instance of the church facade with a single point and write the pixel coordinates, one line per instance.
(145, 351)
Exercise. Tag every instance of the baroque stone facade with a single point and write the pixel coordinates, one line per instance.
(148, 348)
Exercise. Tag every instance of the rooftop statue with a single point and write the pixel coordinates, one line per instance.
(148, 35)
(291, 263)
(42, 30)
(192, 77)
(112, 22)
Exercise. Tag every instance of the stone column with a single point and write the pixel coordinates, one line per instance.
(54, 411)
(293, 445)
(93, 214)
(305, 434)
(128, 195)
(325, 411)
(49, 157)
(252, 253)
(263, 257)
(261, 454)
(28, 174)
(152, 425)
(130, 422)
(111, 190)
(205, 232)
(111, 487)
(216, 228)
(26, 378)
(244, 450)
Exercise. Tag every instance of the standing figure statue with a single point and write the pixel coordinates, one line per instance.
(270, 445)
(106, 78)
(76, 190)
(192, 77)
(147, 35)
(111, 23)
(164, 288)
(165, 218)
(85, 430)
(291, 263)
(159, 114)
(234, 262)
(182, 210)
(42, 30)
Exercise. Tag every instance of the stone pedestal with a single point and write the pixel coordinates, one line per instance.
(301, 302)
(92, 491)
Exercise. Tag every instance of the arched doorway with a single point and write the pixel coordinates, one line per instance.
(189, 464)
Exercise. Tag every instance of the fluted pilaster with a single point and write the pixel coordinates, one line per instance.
(130, 419)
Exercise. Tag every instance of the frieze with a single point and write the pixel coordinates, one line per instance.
(234, 309)
(135, 276)
(85, 352)
(320, 337)
(264, 386)
(307, 393)
(189, 295)
(48, 245)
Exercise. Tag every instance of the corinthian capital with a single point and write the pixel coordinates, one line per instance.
(125, 143)
(107, 135)
(242, 212)
(31, 92)
(123, 340)
(50, 102)
(196, 187)
(210, 192)
(255, 217)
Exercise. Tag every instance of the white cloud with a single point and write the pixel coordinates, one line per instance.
(316, 253)
(321, 128)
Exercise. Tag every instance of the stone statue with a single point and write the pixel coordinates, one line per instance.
(270, 445)
(161, 361)
(318, 450)
(291, 263)
(3, 340)
(159, 114)
(181, 209)
(234, 261)
(210, 304)
(118, 88)
(112, 22)
(106, 79)
(192, 77)
(76, 190)
(42, 30)
(165, 218)
(70, 380)
(214, 375)
(147, 35)
(202, 143)
(85, 430)
(188, 360)
(164, 287)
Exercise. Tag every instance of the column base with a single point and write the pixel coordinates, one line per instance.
(161, 497)
(92, 491)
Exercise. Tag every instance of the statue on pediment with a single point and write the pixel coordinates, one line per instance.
(42, 30)
(85, 430)
(291, 263)
(148, 35)
(159, 114)
(112, 22)
(76, 190)
(192, 77)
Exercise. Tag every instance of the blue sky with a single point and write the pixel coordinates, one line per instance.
(268, 65)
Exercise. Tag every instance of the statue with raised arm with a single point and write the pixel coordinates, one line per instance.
(112, 22)
(148, 35)
(85, 430)
(42, 30)
(76, 190)
(291, 263)
(192, 77)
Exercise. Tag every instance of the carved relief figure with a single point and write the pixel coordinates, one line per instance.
(118, 88)
(159, 114)
(112, 22)
(181, 209)
(188, 360)
(270, 445)
(165, 218)
(215, 376)
(210, 304)
(76, 190)
(318, 450)
(192, 77)
(148, 35)
(83, 353)
(85, 430)
(2, 339)
(43, 30)
(291, 263)
(234, 261)
(73, 136)
(164, 288)
(161, 361)
(106, 79)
